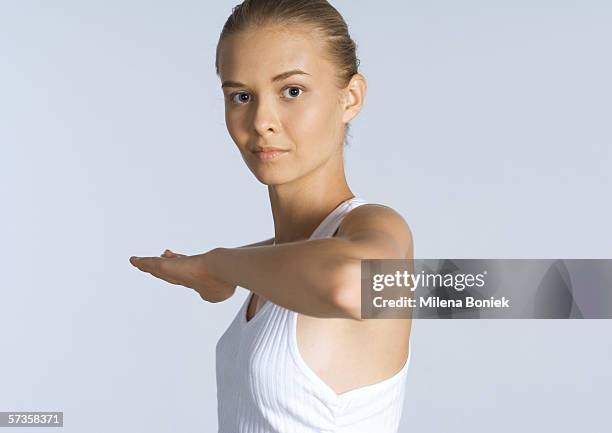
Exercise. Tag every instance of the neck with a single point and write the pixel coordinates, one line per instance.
(298, 207)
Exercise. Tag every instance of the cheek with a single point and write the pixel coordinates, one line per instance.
(235, 126)
(314, 125)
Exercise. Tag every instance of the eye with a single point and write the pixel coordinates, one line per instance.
(294, 92)
(240, 100)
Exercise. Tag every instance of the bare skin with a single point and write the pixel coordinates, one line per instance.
(318, 278)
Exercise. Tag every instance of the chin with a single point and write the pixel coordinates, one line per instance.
(270, 176)
(269, 179)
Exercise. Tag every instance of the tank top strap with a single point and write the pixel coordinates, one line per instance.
(326, 228)
(330, 224)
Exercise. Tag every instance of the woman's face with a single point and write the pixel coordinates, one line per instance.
(269, 104)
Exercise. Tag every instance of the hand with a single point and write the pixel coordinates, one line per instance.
(189, 271)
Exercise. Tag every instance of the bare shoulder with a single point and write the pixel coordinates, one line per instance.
(378, 224)
(379, 232)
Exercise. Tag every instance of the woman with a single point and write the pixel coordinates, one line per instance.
(298, 357)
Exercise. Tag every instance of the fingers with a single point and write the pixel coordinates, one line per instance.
(155, 266)
(170, 254)
(146, 264)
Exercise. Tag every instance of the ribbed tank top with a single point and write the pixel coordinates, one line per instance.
(265, 386)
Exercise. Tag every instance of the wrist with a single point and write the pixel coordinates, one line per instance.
(214, 260)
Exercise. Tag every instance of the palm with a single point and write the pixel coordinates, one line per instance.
(188, 271)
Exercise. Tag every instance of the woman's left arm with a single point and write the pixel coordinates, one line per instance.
(317, 277)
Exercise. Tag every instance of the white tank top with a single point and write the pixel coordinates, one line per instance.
(265, 386)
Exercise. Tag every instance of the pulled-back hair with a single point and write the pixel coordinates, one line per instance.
(319, 16)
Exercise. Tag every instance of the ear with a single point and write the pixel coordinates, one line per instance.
(353, 97)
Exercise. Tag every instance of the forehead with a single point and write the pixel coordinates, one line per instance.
(257, 55)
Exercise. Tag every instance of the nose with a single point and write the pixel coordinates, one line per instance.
(265, 118)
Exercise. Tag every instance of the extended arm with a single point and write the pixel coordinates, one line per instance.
(302, 276)
(259, 244)
(318, 277)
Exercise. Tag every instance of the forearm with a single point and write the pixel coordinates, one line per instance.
(259, 244)
(303, 276)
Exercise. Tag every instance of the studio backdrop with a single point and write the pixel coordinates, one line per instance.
(486, 125)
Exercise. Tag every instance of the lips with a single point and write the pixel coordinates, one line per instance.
(268, 149)
(269, 154)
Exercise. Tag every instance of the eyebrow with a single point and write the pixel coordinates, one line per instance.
(278, 77)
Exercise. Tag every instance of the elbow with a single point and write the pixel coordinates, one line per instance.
(347, 290)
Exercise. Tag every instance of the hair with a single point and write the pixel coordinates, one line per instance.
(319, 15)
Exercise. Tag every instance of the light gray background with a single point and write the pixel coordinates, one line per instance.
(486, 124)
